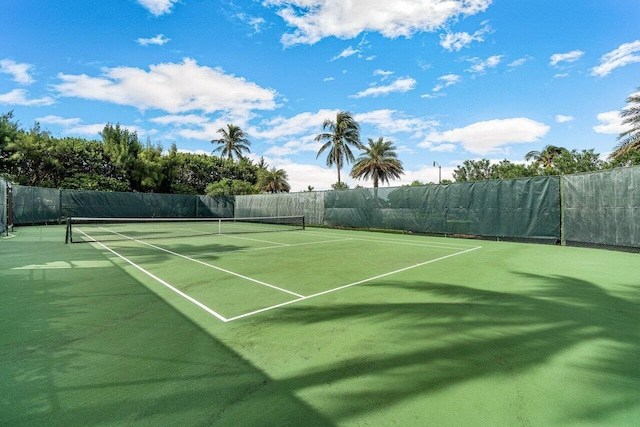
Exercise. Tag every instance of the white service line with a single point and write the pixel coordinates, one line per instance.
(280, 246)
(352, 284)
(210, 265)
(448, 245)
(162, 282)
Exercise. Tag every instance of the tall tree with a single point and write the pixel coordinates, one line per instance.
(233, 142)
(273, 181)
(546, 157)
(9, 134)
(630, 139)
(35, 158)
(342, 134)
(379, 162)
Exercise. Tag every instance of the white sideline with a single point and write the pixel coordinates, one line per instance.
(207, 265)
(359, 282)
(448, 245)
(299, 297)
(162, 282)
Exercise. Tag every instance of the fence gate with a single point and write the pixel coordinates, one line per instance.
(9, 208)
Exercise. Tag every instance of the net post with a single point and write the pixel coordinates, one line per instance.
(303, 227)
(67, 238)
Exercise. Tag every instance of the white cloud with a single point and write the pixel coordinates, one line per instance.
(255, 22)
(489, 136)
(157, 7)
(392, 121)
(519, 62)
(74, 126)
(181, 120)
(446, 81)
(281, 127)
(479, 66)
(19, 97)
(328, 79)
(610, 123)
(569, 57)
(158, 40)
(443, 148)
(346, 53)
(454, 42)
(57, 120)
(174, 88)
(625, 54)
(385, 74)
(314, 20)
(563, 119)
(295, 146)
(198, 127)
(300, 175)
(560, 75)
(19, 71)
(401, 85)
(433, 95)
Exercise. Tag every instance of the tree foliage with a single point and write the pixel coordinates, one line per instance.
(339, 136)
(117, 162)
(629, 140)
(378, 162)
(233, 142)
(273, 181)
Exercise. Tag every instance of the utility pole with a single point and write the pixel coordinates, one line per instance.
(439, 171)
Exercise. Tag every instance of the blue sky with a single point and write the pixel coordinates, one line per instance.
(446, 80)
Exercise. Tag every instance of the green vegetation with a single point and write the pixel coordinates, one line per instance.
(233, 143)
(378, 162)
(273, 181)
(629, 140)
(344, 132)
(120, 162)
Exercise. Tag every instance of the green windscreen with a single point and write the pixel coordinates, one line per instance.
(517, 208)
(309, 204)
(602, 208)
(36, 205)
(103, 204)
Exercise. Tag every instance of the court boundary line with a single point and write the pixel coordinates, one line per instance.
(429, 244)
(279, 246)
(208, 265)
(262, 310)
(167, 285)
(359, 282)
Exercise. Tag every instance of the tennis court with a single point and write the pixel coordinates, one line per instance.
(313, 326)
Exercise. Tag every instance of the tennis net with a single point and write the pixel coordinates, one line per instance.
(81, 230)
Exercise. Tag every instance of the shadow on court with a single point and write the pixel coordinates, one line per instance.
(561, 329)
(84, 343)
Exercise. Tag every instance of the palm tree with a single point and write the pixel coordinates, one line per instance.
(344, 132)
(233, 142)
(630, 139)
(378, 162)
(273, 181)
(546, 157)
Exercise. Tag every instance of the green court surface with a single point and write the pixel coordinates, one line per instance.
(316, 327)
